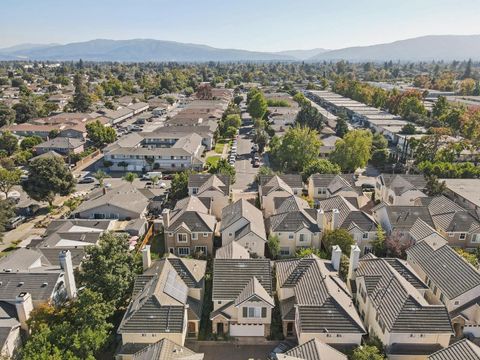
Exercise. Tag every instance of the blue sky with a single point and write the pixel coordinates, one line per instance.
(265, 25)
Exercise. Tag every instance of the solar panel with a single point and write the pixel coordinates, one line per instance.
(177, 290)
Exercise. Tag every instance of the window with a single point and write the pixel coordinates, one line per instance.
(205, 234)
(290, 236)
(202, 249)
(254, 312)
(171, 250)
(182, 238)
(284, 251)
(183, 251)
(302, 238)
(463, 236)
(322, 191)
(365, 235)
(170, 234)
(194, 191)
(194, 236)
(476, 239)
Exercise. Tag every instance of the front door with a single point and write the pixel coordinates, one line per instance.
(192, 329)
(220, 328)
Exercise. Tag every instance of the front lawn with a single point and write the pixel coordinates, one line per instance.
(219, 146)
(212, 160)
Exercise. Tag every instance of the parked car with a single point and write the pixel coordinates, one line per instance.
(368, 187)
(281, 348)
(167, 177)
(86, 180)
(14, 222)
(256, 164)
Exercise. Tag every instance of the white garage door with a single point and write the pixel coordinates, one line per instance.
(246, 330)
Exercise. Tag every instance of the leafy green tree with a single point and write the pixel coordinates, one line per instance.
(233, 120)
(340, 237)
(257, 107)
(30, 141)
(353, 151)
(224, 168)
(238, 99)
(342, 125)
(310, 117)
(53, 134)
(81, 99)
(48, 177)
(8, 142)
(300, 99)
(7, 210)
(367, 352)
(7, 115)
(100, 175)
(433, 186)
(408, 129)
(179, 186)
(378, 243)
(124, 165)
(22, 157)
(24, 111)
(471, 258)
(440, 108)
(8, 179)
(110, 268)
(379, 142)
(100, 134)
(320, 166)
(379, 157)
(130, 177)
(273, 245)
(304, 252)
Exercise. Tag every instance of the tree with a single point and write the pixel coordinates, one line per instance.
(24, 111)
(53, 133)
(300, 99)
(110, 268)
(7, 115)
(8, 179)
(353, 151)
(123, 164)
(299, 147)
(408, 129)
(341, 128)
(7, 210)
(440, 108)
(100, 175)
(100, 134)
(433, 186)
(379, 157)
(379, 142)
(257, 107)
(30, 141)
(273, 245)
(48, 177)
(130, 177)
(378, 243)
(224, 168)
(469, 257)
(367, 352)
(81, 99)
(320, 166)
(310, 117)
(238, 99)
(304, 252)
(8, 142)
(179, 186)
(340, 237)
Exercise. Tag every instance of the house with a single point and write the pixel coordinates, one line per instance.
(463, 349)
(339, 213)
(232, 251)
(242, 297)
(455, 223)
(211, 188)
(464, 192)
(164, 349)
(312, 350)
(328, 145)
(295, 224)
(125, 202)
(166, 303)
(61, 145)
(399, 189)
(276, 186)
(315, 302)
(167, 135)
(390, 299)
(133, 153)
(243, 223)
(10, 331)
(452, 281)
(324, 186)
(189, 228)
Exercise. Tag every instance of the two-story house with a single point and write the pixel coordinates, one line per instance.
(324, 186)
(212, 189)
(243, 223)
(189, 228)
(312, 350)
(242, 297)
(276, 186)
(400, 189)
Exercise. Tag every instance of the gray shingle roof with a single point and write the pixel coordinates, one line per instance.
(405, 216)
(401, 183)
(332, 181)
(166, 350)
(231, 276)
(313, 350)
(243, 209)
(206, 181)
(292, 214)
(192, 213)
(452, 274)
(39, 284)
(461, 350)
(292, 180)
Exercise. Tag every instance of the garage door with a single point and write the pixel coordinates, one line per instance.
(246, 330)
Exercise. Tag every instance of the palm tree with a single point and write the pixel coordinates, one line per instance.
(155, 179)
(130, 177)
(100, 175)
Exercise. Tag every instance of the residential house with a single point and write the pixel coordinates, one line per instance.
(271, 187)
(312, 350)
(232, 251)
(400, 189)
(339, 213)
(10, 330)
(463, 349)
(125, 202)
(315, 302)
(324, 186)
(390, 299)
(213, 189)
(455, 223)
(243, 223)
(453, 282)
(168, 135)
(189, 228)
(295, 224)
(328, 145)
(61, 145)
(164, 349)
(464, 192)
(242, 297)
(166, 304)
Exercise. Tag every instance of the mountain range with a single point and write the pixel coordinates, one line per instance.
(425, 48)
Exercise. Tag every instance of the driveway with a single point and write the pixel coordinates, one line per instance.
(230, 351)
(245, 179)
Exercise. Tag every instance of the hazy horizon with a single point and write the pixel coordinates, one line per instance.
(269, 25)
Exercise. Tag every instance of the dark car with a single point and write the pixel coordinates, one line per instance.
(167, 177)
(368, 187)
(281, 348)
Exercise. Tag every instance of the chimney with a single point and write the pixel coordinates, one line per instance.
(166, 218)
(24, 306)
(146, 258)
(336, 256)
(321, 219)
(67, 267)
(353, 263)
(335, 219)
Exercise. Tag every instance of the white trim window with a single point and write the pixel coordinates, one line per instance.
(285, 251)
(302, 237)
(202, 249)
(291, 236)
(476, 239)
(365, 235)
(205, 234)
(183, 251)
(182, 238)
(194, 236)
(462, 236)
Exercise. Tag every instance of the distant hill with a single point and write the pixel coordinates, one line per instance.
(302, 54)
(425, 48)
(142, 50)
(17, 49)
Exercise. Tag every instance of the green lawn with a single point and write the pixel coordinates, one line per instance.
(212, 160)
(219, 146)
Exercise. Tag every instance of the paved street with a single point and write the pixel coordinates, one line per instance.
(226, 350)
(245, 179)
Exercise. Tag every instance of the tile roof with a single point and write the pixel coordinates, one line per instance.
(406, 216)
(231, 276)
(449, 271)
(292, 180)
(206, 182)
(292, 214)
(166, 349)
(244, 209)
(332, 181)
(401, 183)
(312, 350)
(232, 251)
(191, 213)
(463, 349)
(254, 289)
